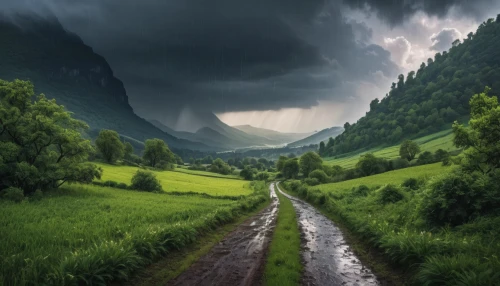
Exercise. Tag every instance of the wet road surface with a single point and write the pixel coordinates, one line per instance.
(327, 258)
(240, 257)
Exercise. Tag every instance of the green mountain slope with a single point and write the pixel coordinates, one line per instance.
(62, 67)
(430, 99)
(276, 136)
(318, 137)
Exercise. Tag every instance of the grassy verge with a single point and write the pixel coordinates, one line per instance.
(283, 266)
(167, 268)
(388, 220)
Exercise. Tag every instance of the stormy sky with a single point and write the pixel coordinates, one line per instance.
(288, 65)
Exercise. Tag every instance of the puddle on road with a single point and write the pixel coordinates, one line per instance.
(327, 257)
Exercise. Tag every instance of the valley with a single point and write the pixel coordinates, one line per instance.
(93, 193)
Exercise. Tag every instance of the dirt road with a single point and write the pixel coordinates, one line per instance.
(240, 257)
(327, 258)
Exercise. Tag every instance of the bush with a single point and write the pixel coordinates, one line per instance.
(360, 191)
(37, 195)
(426, 158)
(122, 186)
(111, 184)
(13, 194)
(145, 181)
(262, 176)
(311, 181)
(390, 194)
(320, 175)
(411, 183)
(459, 197)
(399, 163)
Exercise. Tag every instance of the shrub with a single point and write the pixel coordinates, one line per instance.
(262, 176)
(311, 181)
(122, 186)
(426, 158)
(145, 181)
(13, 194)
(459, 197)
(360, 191)
(390, 194)
(399, 163)
(37, 195)
(319, 175)
(110, 183)
(411, 183)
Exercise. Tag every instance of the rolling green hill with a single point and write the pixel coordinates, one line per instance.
(61, 66)
(318, 137)
(430, 99)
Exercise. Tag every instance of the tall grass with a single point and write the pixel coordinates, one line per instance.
(92, 235)
(464, 255)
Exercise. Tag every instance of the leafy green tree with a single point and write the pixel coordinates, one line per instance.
(291, 169)
(41, 145)
(320, 175)
(322, 149)
(128, 149)
(408, 150)
(425, 158)
(368, 165)
(247, 173)
(156, 150)
(482, 139)
(109, 145)
(280, 164)
(309, 162)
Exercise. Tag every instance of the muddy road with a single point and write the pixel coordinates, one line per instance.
(239, 259)
(327, 258)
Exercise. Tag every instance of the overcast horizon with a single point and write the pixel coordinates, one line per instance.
(289, 66)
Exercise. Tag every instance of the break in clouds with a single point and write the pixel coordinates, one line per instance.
(231, 56)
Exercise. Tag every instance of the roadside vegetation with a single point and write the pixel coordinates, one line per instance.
(442, 227)
(283, 266)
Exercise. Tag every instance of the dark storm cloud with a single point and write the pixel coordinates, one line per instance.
(225, 55)
(397, 11)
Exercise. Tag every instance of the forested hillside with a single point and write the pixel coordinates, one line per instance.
(431, 98)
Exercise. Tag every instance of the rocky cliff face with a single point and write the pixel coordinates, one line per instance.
(62, 67)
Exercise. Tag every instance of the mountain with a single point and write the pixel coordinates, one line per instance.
(61, 66)
(276, 136)
(430, 99)
(318, 137)
(206, 127)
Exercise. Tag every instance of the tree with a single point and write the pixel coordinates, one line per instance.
(41, 145)
(409, 150)
(309, 162)
(322, 148)
(128, 149)
(247, 173)
(482, 139)
(291, 169)
(156, 150)
(280, 164)
(109, 145)
(368, 164)
(320, 175)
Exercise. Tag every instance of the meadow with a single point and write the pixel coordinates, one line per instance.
(92, 235)
(391, 177)
(179, 181)
(440, 140)
(391, 219)
(205, 173)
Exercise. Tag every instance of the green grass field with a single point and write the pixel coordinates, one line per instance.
(97, 234)
(392, 177)
(283, 266)
(440, 140)
(206, 174)
(180, 182)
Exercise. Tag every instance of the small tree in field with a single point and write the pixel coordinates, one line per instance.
(409, 150)
(156, 151)
(109, 145)
(146, 182)
(309, 162)
(128, 149)
(41, 145)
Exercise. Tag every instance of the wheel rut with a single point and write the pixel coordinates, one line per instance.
(240, 257)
